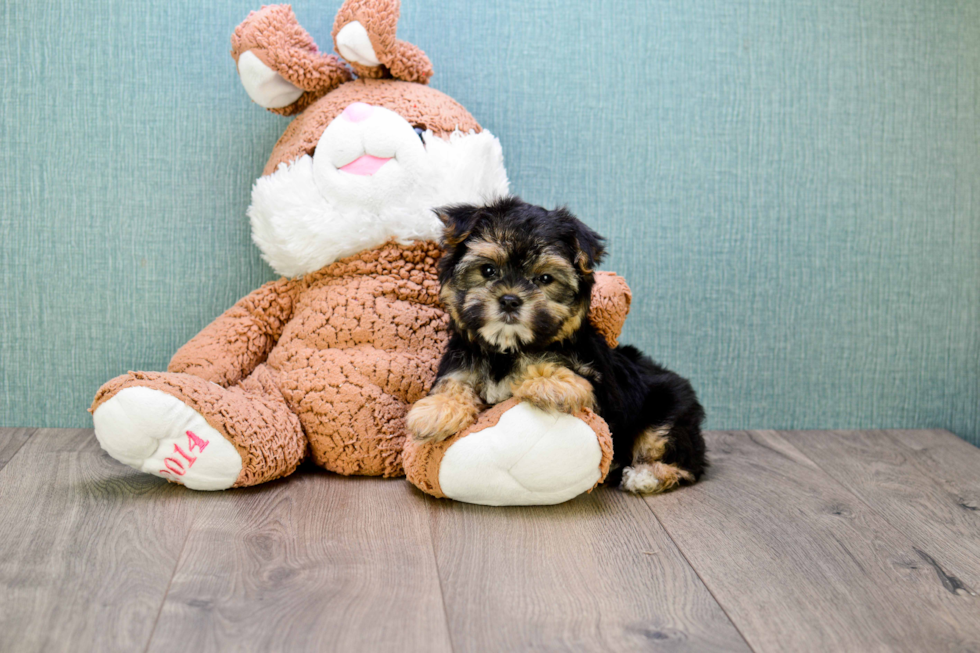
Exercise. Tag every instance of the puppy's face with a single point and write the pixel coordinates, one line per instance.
(516, 276)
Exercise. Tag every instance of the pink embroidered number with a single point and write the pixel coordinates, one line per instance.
(179, 467)
(173, 465)
(194, 441)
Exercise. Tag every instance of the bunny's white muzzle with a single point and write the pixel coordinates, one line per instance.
(369, 155)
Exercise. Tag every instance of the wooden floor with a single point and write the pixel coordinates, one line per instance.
(795, 541)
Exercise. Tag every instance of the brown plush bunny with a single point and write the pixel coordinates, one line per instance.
(327, 360)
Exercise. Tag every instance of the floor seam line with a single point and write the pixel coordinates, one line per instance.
(166, 593)
(20, 448)
(697, 573)
(435, 561)
(845, 488)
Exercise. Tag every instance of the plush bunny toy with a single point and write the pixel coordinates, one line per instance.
(326, 361)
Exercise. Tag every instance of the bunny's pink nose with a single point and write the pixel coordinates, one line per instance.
(358, 111)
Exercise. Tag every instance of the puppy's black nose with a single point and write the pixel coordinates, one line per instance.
(510, 302)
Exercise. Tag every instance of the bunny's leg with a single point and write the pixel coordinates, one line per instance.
(352, 405)
(196, 433)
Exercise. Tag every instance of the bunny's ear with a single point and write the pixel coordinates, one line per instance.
(279, 64)
(364, 35)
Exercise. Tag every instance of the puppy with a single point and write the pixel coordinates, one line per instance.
(517, 280)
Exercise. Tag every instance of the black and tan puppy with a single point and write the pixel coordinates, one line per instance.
(517, 280)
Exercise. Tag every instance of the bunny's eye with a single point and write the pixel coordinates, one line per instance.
(419, 131)
(488, 271)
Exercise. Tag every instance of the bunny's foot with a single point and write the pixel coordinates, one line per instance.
(515, 454)
(156, 433)
(189, 431)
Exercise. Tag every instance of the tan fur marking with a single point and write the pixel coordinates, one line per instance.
(552, 387)
(451, 407)
(650, 445)
(648, 475)
(451, 238)
(446, 296)
(485, 249)
(552, 262)
(582, 259)
(571, 325)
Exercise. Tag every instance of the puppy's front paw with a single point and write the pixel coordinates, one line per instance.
(554, 388)
(436, 417)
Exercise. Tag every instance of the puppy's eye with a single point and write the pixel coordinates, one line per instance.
(419, 131)
(545, 279)
(488, 270)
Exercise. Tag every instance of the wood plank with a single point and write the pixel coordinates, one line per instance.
(11, 440)
(87, 546)
(950, 460)
(920, 492)
(312, 562)
(799, 563)
(597, 573)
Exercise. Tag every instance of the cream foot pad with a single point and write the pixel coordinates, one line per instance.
(156, 433)
(529, 457)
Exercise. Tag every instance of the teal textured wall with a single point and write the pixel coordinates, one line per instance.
(791, 187)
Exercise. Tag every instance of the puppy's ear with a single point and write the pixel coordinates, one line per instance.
(589, 248)
(459, 221)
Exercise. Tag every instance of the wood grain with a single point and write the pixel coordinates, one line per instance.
(925, 485)
(87, 546)
(311, 562)
(11, 440)
(837, 541)
(597, 573)
(799, 563)
(950, 460)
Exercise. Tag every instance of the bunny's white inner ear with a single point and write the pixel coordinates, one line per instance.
(354, 45)
(266, 87)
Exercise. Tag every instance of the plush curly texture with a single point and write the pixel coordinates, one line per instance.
(399, 59)
(232, 346)
(611, 299)
(419, 105)
(274, 36)
(423, 460)
(334, 359)
(363, 344)
(252, 415)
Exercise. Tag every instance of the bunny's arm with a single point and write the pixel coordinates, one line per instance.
(229, 348)
(280, 65)
(611, 299)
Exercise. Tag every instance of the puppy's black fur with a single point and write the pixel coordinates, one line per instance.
(517, 281)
